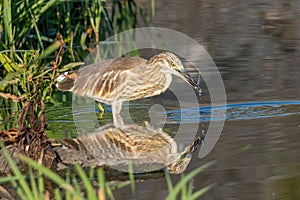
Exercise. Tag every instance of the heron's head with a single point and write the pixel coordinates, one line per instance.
(172, 62)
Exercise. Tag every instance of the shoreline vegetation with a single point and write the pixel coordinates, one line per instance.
(38, 41)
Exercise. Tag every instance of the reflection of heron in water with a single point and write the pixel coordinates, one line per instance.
(148, 149)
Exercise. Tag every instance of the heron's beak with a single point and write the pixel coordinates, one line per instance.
(187, 78)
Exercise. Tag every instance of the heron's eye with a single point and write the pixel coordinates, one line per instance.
(175, 66)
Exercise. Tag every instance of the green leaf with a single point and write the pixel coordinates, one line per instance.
(172, 195)
(70, 66)
(20, 177)
(52, 176)
(87, 183)
(199, 193)
(9, 79)
(7, 20)
(49, 50)
(8, 64)
(131, 178)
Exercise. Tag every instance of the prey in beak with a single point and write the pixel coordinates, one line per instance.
(187, 78)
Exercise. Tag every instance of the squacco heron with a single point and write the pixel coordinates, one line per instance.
(114, 81)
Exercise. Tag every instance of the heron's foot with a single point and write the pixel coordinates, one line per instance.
(101, 109)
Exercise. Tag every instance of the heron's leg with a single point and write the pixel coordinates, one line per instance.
(101, 109)
(116, 107)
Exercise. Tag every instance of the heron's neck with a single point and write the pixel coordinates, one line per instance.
(159, 63)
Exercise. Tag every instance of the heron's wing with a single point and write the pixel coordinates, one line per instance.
(88, 74)
(145, 81)
(100, 80)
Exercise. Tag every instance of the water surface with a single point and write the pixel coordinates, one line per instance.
(255, 45)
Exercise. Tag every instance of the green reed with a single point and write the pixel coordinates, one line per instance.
(44, 26)
(36, 24)
(24, 79)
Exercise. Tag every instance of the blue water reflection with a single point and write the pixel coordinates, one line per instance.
(235, 111)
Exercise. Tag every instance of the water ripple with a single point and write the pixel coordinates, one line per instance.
(235, 111)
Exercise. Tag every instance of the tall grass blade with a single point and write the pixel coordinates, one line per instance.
(68, 180)
(101, 182)
(49, 50)
(169, 181)
(186, 179)
(21, 178)
(109, 193)
(70, 66)
(41, 185)
(200, 192)
(8, 64)
(75, 182)
(33, 185)
(190, 189)
(184, 192)
(7, 179)
(86, 182)
(131, 179)
(152, 8)
(16, 186)
(7, 20)
(52, 176)
(57, 194)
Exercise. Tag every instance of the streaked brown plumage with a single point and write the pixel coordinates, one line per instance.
(146, 148)
(123, 79)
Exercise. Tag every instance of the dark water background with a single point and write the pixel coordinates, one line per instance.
(255, 45)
